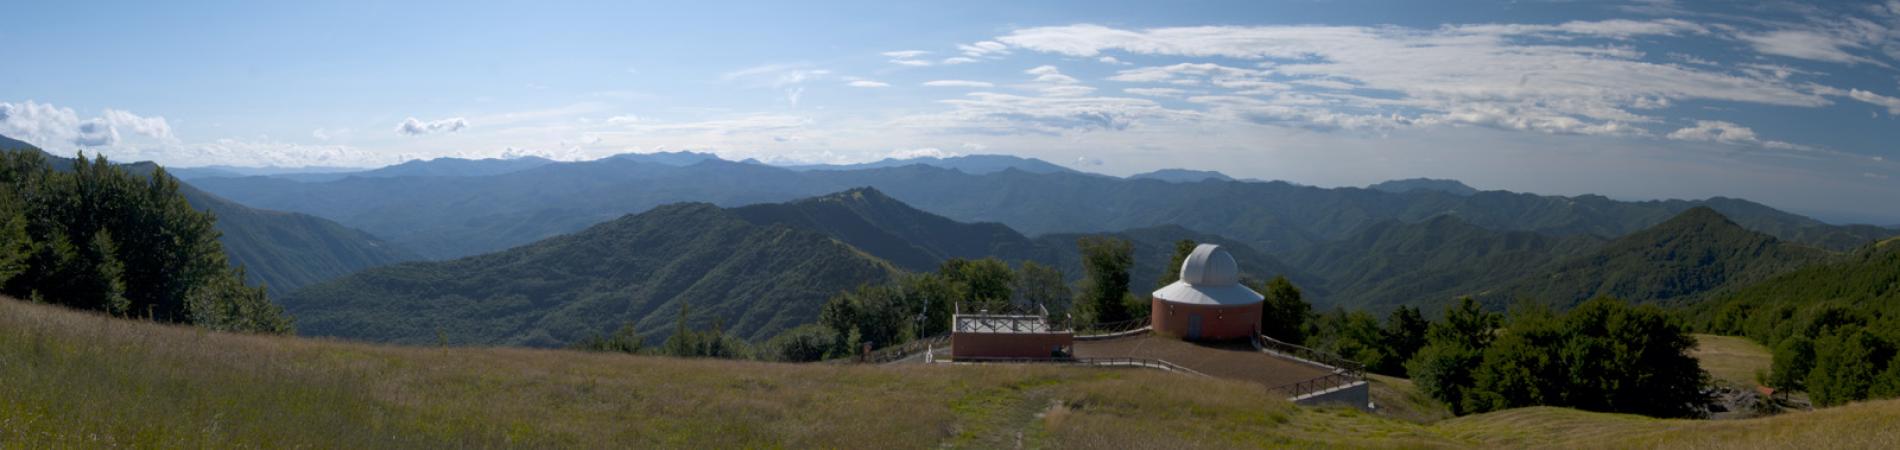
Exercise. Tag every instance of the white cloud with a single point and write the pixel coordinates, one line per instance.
(413, 127)
(623, 119)
(959, 83)
(910, 62)
(906, 54)
(995, 113)
(868, 84)
(59, 129)
(1727, 133)
(1518, 77)
(958, 60)
(983, 49)
(1050, 74)
(1892, 104)
(1156, 92)
(1801, 44)
(925, 152)
(1110, 60)
(153, 127)
(775, 75)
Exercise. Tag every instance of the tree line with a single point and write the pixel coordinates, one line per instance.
(1834, 328)
(98, 237)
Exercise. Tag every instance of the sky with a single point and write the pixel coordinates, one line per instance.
(1789, 104)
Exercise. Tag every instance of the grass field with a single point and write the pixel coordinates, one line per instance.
(76, 379)
(1733, 360)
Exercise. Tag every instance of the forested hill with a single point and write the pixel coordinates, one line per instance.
(1695, 253)
(288, 251)
(1860, 288)
(1424, 264)
(754, 280)
(877, 224)
(284, 250)
(455, 216)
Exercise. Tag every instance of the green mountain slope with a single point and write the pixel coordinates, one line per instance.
(910, 238)
(1682, 259)
(755, 280)
(288, 251)
(1422, 264)
(284, 250)
(1864, 283)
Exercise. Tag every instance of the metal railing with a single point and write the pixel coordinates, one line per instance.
(1323, 358)
(1107, 361)
(1302, 388)
(1112, 327)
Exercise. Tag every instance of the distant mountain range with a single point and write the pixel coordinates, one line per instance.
(446, 217)
(1182, 176)
(284, 250)
(1453, 187)
(972, 164)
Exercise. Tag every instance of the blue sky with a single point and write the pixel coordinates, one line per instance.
(1784, 103)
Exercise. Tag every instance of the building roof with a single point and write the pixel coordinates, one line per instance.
(1209, 276)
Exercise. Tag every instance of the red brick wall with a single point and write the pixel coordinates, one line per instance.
(1008, 345)
(1217, 322)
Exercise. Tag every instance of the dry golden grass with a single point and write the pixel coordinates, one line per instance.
(70, 379)
(1398, 398)
(1733, 360)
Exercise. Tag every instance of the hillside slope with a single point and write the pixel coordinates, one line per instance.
(1864, 285)
(755, 280)
(1697, 252)
(76, 379)
(882, 226)
(1425, 264)
(288, 251)
(284, 250)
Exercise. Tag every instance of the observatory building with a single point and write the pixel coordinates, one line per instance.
(1209, 303)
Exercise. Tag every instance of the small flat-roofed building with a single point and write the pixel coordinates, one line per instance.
(985, 335)
(1209, 303)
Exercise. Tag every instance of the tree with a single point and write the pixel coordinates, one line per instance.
(625, 339)
(15, 245)
(985, 283)
(1172, 272)
(1794, 358)
(1454, 348)
(1404, 334)
(100, 237)
(1845, 365)
(100, 282)
(1284, 313)
(805, 343)
(1105, 261)
(1040, 285)
(1520, 368)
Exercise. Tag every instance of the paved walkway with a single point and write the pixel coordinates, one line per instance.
(1236, 360)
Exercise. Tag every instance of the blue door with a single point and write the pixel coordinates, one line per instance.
(1194, 326)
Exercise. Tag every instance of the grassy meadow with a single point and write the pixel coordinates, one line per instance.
(1733, 360)
(80, 379)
